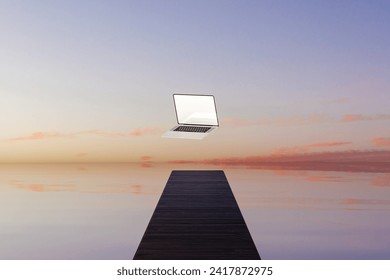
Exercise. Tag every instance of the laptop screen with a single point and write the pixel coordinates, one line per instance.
(195, 109)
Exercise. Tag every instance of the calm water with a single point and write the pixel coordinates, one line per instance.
(101, 211)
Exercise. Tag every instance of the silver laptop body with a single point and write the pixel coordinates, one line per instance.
(196, 116)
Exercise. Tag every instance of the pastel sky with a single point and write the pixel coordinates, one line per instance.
(92, 81)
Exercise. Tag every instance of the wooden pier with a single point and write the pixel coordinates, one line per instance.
(197, 218)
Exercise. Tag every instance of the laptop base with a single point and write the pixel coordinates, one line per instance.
(186, 135)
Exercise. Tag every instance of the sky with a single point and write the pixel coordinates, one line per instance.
(92, 81)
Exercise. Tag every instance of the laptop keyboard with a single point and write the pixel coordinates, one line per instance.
(201, 129)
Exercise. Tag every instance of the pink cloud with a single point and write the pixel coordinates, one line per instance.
(304, 120)
(42, 135)
(328, 144)
(307, 147)
(381, 141)
(351, 201)
(39, 135)
(140, 131)
(352, 118)
(360, 117)
(322, 178)
(102, 133)
(144, 131)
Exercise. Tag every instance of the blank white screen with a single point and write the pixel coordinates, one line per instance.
(195, 109)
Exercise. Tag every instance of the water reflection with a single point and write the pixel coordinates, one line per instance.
(381, 181)
(100, 211)
(315, 214)
(92, 178)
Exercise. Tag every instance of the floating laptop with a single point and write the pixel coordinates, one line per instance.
(196, 116)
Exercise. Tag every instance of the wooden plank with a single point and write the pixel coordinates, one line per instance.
(197, 217)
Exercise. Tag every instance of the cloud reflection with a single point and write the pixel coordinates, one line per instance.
(349, 161)
(91, 178)
(146, 162)
(365, 204)
(381, 181)
(41, 187)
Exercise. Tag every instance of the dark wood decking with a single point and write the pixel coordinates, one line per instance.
(197, 217)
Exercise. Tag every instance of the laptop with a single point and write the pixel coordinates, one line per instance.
(196, 116)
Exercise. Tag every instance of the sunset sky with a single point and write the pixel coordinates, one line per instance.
(92, 81)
